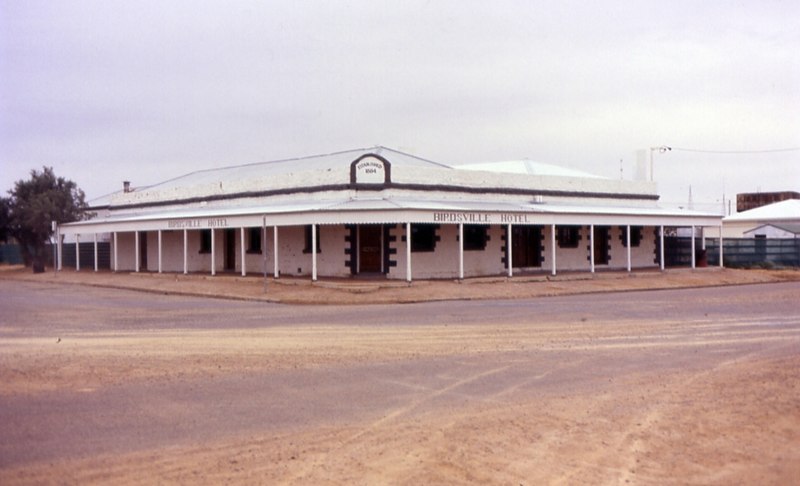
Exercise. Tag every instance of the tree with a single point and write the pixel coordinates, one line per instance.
(34, 205)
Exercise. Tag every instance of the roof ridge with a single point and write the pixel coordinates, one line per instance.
(252, 164)
(376, 149)
(446, 166)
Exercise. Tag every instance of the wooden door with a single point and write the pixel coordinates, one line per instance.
(526, 246)
(369, 248)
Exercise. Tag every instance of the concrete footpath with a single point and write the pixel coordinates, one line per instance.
(380, 291)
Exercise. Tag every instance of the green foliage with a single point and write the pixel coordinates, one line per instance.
(37, 202)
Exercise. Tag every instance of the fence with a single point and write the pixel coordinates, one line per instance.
(738, 252)
(10, 254)
(87, 255)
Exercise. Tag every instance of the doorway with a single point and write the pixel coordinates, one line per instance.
(370, 243)
(601, 245)
(526, 246)
(143, 250)
(230, 249)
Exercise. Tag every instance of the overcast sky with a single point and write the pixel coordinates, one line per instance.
(106, 91)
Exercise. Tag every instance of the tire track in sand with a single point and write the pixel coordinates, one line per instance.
(392, 416)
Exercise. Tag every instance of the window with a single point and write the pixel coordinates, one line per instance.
(568, 236)
(205, 241)
(307, 248)
(254, 239)
(636, 236)
(423, 237)
(475, 237)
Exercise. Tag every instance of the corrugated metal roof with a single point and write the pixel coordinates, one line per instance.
(331, 161)
(528, 167)
(106, 199)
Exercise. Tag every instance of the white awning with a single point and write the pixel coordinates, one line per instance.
(390, 210)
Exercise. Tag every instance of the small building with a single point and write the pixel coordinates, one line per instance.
(382, 212)
(776, 230)
(786, 212)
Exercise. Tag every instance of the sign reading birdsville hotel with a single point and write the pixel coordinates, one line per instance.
(197, 223)
(435, 217)
(479, 218)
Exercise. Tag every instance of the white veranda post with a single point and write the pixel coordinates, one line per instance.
(185, 252)
(591, 247)
(60, 249)
(408, 252)
(461, 251)
(314, 252)
(136, 250)
(213, 254)
(510, 251)
(275, 268)
(628, 245)
(77, 253)
(553, 246)
(241, 251)
(96, 264)
(264, 248)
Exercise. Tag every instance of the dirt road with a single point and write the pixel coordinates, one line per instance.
(693, 386)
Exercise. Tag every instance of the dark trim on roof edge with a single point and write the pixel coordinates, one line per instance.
(393, 185)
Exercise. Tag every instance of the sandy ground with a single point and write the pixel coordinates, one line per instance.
(369, 291)
(676, 387)
(738, 424)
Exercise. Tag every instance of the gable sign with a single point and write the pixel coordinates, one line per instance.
(370, 170)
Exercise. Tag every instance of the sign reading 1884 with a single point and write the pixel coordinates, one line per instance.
(370, 171)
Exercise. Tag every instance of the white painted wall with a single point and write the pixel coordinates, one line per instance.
(330, 259)
(126, 257)
(642, 256)
(490, 260)
(443, 261)
(569, 258)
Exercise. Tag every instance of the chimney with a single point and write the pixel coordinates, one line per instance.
(640, 174)
(126, 186)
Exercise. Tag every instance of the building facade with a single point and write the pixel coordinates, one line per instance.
(381, 212)
(752, 200)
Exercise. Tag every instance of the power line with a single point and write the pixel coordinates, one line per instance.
(790, 149)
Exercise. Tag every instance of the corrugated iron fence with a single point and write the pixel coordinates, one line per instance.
(10, 254)
(87, 255)
(737, 252)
